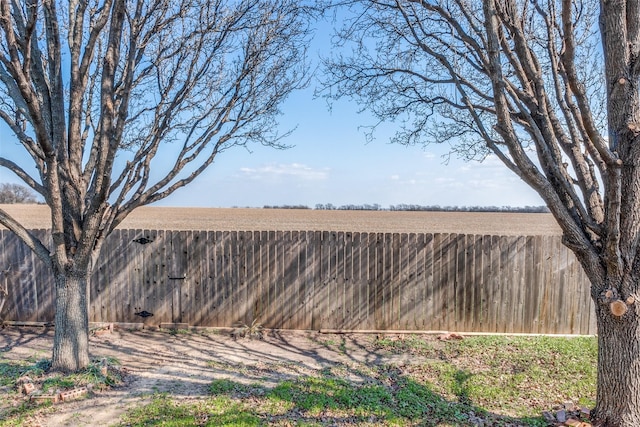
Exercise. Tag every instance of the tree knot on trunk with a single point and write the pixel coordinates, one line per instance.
(634, 128)
(618, 305)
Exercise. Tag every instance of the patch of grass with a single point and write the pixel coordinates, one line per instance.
(499, 381)
(531, 367)
(100, 373)
(251, 331)
(315, 395)
(414, 344)
(161, 409)
(518, 376)
(232, 388)
(57, 382)
(10, 371)
(20, 414)
(218, 411)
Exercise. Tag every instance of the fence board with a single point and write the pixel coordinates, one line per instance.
(450, 281)
(344, 256)
(531, 314)
(158, 297)
(187, 285)
(468, 283)
(285, 285)
(496, 284)
(13, 307)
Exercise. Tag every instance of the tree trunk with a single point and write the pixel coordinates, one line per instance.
(71, 339)
(618, 387)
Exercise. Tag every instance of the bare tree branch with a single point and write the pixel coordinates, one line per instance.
(121, 102)
(510, 88)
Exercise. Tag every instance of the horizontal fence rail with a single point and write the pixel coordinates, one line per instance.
(319, 280)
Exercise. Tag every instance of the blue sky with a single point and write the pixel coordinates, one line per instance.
(332, 162)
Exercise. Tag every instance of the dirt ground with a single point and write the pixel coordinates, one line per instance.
(184, 364)
(239, 219)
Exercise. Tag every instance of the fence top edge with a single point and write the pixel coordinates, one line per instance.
(310, 231)
(336, 232)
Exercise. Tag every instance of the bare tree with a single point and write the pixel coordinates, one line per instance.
(526, 81)
(118, 103)
(16, 193)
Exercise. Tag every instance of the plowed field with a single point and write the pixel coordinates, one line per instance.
(37, 216)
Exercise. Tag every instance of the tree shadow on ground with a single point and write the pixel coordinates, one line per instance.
(388, 398)
(286, 378)
(337, 395)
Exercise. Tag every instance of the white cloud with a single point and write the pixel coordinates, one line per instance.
(282, 170)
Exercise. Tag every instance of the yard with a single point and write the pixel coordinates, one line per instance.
(205, 377)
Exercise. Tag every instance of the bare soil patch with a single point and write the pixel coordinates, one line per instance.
(239, 219)
(185, 364)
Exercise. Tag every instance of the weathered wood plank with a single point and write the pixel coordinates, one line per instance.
(372, 282)
(294, 278)
(227, 310)
(249, 281)
(530, 312)
(377, 281)
(449, 276)
(310, 271)
(196, 272)
(469, 284)
(358, 280)
(493, 283)
(506, 277)
(286, 280)
(430, 313)
(553, 284)
(321, 296)
(577, 300)
(158, 299)
(562, 298)
(521, 285)
(317, 279)
(407, 282)
(341, 278)
(459, 284)
(272, 276)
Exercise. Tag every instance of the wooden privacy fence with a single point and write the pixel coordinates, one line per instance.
(320, 280)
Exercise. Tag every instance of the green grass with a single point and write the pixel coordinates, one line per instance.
(501, 380)
(212, 412)
(15, 410)
(11, 370)
(498, 371)
(314, 395)
(316, 401)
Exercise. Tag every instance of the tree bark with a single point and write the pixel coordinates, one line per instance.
(71, 339)
(618, 384)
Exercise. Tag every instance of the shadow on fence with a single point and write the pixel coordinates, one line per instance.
(319, 280)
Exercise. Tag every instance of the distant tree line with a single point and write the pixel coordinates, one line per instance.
(437, 208)
(286, 207)
(412, 207)
(16, 193)
(365, 207)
